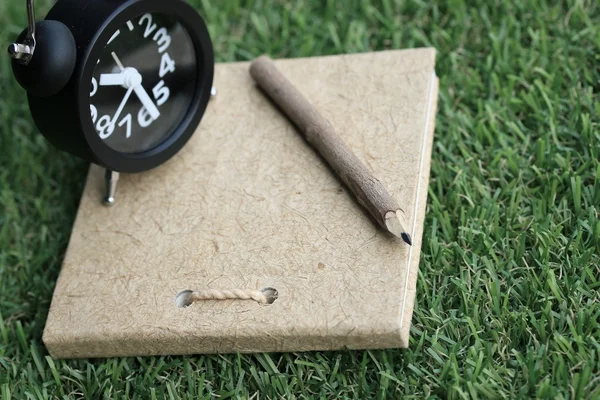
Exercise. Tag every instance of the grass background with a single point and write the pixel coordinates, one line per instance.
(507, 302)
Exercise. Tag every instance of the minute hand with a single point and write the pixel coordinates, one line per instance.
(146, 101)
(121, 106)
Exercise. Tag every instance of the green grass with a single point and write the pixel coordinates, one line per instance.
(508, 301)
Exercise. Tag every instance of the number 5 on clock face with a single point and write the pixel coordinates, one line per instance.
(161, 95)
(138, 76)
(143, 83)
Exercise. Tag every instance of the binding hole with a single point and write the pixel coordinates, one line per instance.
(184, 299)
(271, 294)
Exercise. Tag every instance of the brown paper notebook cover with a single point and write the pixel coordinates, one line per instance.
(248, 204)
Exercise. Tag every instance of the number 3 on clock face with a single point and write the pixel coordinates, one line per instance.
(142, 84)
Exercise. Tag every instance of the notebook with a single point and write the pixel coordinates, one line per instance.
(248, 204)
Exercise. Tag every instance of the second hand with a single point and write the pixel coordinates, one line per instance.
(119, 64)
(140, 92)
(121, 106)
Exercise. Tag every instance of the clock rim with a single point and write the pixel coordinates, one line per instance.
(172, 144)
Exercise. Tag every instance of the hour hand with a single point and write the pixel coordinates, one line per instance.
(112, 79)
(146, 101)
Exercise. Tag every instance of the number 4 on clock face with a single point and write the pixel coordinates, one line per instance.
(126, 78)
(137, 77)
(160, 91)
(166, 65)
(161, 95)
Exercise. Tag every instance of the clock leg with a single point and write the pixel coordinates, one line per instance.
(112, 178)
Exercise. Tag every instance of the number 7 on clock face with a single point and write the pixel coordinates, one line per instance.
(153, 56)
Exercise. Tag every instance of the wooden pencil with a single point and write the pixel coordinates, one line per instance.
(319, 132)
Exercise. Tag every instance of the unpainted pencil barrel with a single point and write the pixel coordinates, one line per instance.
(320, 133)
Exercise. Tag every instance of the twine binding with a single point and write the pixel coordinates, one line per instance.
(232, 294)
(188, 297)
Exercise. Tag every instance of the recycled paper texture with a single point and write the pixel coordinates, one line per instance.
(249, 204)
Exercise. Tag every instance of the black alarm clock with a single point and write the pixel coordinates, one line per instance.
(119, 83)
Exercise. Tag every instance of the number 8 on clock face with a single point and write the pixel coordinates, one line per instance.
(143, 83)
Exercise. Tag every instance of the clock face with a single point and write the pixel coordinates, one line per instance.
(143, 84)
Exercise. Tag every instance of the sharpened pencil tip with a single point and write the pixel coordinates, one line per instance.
(393, 224)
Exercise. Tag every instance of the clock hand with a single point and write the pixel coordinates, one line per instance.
(128, 78)
(112, 79)
(135, 82)
(131, 80)
(146, 101)
(114, 56)
(121, 106)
